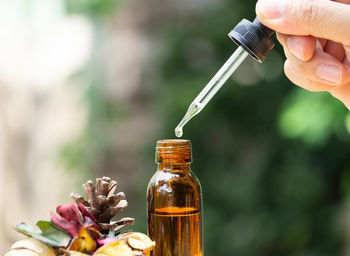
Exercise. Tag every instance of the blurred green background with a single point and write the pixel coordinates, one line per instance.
(273, 159)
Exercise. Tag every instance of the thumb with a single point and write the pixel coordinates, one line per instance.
(319, 18)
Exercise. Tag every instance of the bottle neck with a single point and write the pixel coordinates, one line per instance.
(174, 167)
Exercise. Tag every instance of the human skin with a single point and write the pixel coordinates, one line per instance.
(315, 35)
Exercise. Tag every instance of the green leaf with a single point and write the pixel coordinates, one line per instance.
(48, 233)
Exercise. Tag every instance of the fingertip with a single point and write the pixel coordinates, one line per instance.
(330, 74)
(296, 47)
(309, 45)
(280, 16)
(269, 12)
(303, 47)
(300, 80)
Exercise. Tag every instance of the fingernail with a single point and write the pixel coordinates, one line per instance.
(296, 48)
(270, 9)
(331, 74)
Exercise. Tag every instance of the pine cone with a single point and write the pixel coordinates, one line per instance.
(104, 204)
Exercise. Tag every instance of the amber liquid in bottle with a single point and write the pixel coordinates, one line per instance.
(174, 200)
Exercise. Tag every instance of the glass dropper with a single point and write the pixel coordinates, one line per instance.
(212, 87)
(253, 39)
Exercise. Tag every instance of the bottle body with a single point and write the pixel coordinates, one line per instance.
(174, 199)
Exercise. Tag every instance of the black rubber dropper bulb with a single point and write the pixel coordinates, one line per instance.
(254, 38)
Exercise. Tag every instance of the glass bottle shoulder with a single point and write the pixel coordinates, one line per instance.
(175, 188)
(169, 179)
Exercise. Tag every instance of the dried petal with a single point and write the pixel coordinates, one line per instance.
(69, 212)
(86, 240)
(65, 252)
(88, 218)
(72, 218)
(25, 246)
(21, 252)
(138, 241)
(118, 247)
(71, 228)
(107, 240)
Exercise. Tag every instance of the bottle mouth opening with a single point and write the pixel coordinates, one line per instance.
(173, 145)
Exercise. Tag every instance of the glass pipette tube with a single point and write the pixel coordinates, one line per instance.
(212, 87)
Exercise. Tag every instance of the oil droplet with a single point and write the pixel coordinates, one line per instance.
(178, 132)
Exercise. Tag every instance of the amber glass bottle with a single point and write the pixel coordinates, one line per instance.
(174, 200)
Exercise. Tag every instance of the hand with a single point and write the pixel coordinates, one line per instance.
(315, 35)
